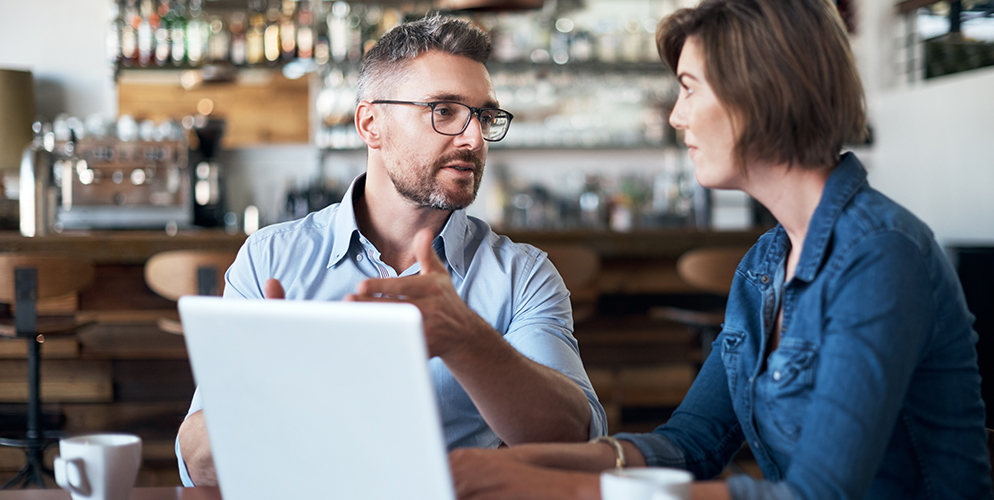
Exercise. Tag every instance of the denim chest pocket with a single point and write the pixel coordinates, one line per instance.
(730, 344)
(791, 377)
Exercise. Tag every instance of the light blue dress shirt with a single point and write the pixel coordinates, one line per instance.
(873, 391)
(513, 286)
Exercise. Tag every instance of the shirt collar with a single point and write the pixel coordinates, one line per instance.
(345, 228)
(448, 244)
(847, 178)
(452, 240)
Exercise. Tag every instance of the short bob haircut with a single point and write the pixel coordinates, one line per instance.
(785, 71)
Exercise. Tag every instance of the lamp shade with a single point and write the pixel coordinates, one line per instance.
(17, 110)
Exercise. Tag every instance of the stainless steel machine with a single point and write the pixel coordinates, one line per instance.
(104, 184)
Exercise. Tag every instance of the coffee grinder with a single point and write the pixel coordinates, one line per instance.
(207, 174)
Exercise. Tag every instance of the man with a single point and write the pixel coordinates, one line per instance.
(497, 317)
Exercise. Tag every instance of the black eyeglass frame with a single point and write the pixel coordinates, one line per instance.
(472, 112)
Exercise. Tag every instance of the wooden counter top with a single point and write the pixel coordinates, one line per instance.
(135, 247)
(120, 247)
(646, 243)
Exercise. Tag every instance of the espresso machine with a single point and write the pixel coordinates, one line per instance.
(104, 183)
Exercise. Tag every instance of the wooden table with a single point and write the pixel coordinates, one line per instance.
(200, 493)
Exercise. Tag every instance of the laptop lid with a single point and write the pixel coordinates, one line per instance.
(309, 399)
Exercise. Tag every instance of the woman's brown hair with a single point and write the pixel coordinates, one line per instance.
(785, 69)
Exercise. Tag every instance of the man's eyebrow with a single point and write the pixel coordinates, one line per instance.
(459, 98)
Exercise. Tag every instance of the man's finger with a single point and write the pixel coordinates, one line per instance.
(273, 289)
(430, 263)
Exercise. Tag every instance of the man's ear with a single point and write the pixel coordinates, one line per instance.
(366, 125)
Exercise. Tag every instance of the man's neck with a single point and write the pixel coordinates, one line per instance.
(390, 221)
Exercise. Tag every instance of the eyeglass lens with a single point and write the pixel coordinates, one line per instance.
(452, 118)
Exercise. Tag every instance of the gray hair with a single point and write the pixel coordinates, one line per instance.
(382, 64)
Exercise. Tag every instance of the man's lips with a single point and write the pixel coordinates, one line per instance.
(462, 167)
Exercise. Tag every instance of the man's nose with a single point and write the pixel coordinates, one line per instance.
(473, 135)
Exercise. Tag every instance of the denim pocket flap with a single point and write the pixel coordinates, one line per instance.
(792, 364)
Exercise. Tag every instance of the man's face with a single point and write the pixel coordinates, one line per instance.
(428, 168)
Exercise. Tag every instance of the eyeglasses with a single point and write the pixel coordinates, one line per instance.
(452, 118)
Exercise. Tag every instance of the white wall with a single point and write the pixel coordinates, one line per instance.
(62, 43)
(934, 153)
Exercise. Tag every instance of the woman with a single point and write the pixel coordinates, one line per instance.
(847, 356)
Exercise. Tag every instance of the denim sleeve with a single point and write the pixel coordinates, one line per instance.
(878, 314)
(704, 433)
(542, 330)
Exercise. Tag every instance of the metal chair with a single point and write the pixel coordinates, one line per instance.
(24, 280)
(186, 272)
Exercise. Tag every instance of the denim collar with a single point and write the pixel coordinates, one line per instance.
(843, 183)
(346, 231)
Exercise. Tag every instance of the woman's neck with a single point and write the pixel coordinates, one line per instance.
(791, 195)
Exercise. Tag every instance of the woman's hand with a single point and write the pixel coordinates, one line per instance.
(506, 474)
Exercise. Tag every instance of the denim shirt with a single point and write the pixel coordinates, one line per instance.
(514, 287)
(873, 391)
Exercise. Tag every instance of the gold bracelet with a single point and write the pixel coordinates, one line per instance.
(619, 452)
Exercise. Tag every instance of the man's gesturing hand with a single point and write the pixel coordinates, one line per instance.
(450, 326)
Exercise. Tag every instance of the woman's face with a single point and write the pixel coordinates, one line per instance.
(707, 125)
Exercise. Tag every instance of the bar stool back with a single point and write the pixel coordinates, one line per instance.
(25, 279)
(186, 272)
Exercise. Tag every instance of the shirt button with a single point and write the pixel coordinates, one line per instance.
(358, 258)
(363, 241)
(765, 279)
(776, 375)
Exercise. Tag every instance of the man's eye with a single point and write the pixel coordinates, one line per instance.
(443, 110)
(488, 118)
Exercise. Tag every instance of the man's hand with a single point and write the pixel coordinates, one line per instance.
(499, 474)
(447, 319)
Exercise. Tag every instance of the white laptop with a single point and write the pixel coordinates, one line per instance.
(307, 399)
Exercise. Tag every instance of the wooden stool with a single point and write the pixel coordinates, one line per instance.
(25, 279)
(186, 272)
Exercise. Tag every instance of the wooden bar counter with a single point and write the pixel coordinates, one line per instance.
(124, 374)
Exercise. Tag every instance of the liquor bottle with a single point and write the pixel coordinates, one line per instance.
(238, 45)
(146, 32)
(163, 44)
(113, 42)
(271, 37)
(338, 31)
(220, 41)
(255, 40)
(305, 33)
(129, 34)
(288, 31)
(178, 32)
(197, 34)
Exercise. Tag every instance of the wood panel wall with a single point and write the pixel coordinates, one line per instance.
(265, 109)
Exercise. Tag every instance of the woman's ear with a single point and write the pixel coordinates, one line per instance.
(366, 125)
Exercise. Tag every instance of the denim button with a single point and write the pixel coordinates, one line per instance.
(765, 279)
(776, 375)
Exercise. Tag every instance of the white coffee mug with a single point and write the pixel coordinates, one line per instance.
(99, 466)
(646, 483)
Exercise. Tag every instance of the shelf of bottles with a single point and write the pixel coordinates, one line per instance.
(570, 84)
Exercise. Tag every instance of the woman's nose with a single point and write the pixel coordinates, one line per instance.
(677, 118)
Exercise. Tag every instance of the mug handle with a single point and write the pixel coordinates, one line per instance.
(69, 475)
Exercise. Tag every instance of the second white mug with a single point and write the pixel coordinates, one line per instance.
(646, 483)
(99, 466)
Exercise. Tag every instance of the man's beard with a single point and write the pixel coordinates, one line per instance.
(421, 186)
